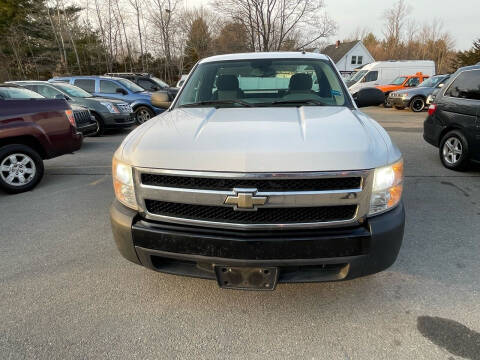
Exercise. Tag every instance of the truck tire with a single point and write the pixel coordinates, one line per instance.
(100, 126)
(453, 151)
(417, 104)
(21, 168)
(143, 114)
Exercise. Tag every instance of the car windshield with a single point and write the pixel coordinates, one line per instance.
(356, 77)
(18, 93)
(431, 82)
(73, 91)
(130, 85)
(264, 82)
(159, 82)
(398, 81)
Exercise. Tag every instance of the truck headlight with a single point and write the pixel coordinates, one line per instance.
(387, 188)
(123, 184)
(112, 108)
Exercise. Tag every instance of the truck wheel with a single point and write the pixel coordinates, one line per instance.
(143, 114)
(453, 151)
(100, 126)
(417, 104)
(21, 168)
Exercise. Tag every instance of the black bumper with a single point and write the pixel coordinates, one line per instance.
(432, 130)
(301, 256)
(116, 121)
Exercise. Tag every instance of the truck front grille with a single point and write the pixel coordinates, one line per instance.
(261, 216)
(341, 183)
(254, 201)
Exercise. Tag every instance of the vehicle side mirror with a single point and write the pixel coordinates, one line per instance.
(160, 100)
(121, 91)
(155, 88)
(369, 97)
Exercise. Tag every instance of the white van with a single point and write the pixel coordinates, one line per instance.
(383, 72)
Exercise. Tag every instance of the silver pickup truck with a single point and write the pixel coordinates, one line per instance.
(263, 170)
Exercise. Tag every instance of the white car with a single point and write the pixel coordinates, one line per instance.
(262, 170)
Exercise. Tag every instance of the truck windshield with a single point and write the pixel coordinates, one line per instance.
(399, 80)
(17, 93)
(356, 77)
(130, 85)
(263, 82)
(73, 91)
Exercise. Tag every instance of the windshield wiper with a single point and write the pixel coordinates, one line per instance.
(302, 101)
(218, 102)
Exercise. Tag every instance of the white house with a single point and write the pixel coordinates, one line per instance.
(348, 56)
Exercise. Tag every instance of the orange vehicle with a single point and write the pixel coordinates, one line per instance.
(402, 82)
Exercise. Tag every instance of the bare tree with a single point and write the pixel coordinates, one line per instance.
(271, 24)
(395, 19)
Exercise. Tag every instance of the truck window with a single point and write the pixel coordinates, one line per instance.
(412, 82)
(371, 76)
(466, 86)
(264, 82)
(86, 84)
(108, 87)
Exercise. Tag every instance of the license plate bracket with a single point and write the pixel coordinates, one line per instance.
(246, 278)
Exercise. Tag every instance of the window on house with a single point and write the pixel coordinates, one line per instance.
(360, 60)
(354, 59)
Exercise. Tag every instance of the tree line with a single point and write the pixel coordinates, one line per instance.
(44, 38)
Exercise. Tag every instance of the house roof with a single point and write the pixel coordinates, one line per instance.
(336, 53)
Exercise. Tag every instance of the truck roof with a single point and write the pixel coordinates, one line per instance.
(266, 55)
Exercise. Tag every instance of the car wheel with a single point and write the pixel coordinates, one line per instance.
(143, 114)
(417, 104)
(454, 151)
(21, 168)
(399, 107)
(100, 126)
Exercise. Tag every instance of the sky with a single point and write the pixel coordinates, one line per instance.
(460, 18)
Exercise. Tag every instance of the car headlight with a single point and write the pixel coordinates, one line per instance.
(123, 184)
(387, 188)
(405, 95)
(112, 108)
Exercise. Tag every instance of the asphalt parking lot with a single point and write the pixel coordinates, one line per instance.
(66, 293)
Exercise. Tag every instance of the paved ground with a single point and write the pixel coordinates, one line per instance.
(67, 294)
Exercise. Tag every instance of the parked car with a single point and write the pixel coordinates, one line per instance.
(453, 122)
(416, 98)
(384, 72)
(182, 80)
(402, 82)
(277, 182)
(32, 128)
(107, 113)
(148, 82)
(117, 88)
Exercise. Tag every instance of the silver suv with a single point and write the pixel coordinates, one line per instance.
(263, 170)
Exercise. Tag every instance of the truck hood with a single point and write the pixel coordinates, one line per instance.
(274, 139)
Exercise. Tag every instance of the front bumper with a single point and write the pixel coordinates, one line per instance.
(398, 101)
(115, 121)
(300, 255)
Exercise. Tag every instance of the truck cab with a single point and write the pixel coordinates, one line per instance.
(263, 170)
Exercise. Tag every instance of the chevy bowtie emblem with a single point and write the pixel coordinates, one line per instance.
(245, 200)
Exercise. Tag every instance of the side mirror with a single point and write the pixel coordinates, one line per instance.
(121, 91)
(160, 100)
(61, 97)
(369, 97)
(156, 88)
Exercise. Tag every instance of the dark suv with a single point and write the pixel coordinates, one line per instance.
(453, 122)
(107, 113)
(148, 82)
